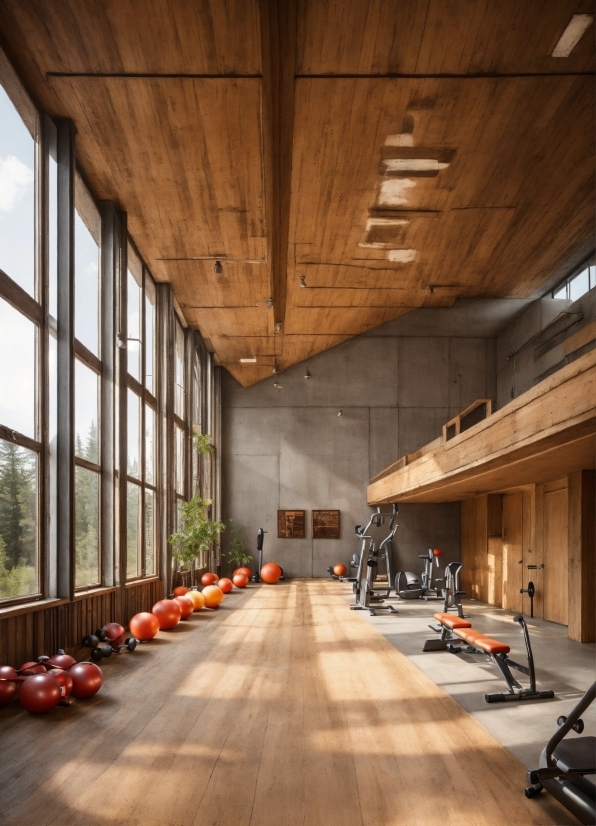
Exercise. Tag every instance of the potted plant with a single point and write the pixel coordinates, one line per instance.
(197, 533)
(237, 556)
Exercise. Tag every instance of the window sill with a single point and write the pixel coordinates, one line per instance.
(30, 607)
(142, 581)
(93, 592)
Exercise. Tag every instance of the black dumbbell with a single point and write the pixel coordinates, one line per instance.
(130, 645)
(101, 651)
(578, 726)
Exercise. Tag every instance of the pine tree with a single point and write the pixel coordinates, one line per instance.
(17, 504)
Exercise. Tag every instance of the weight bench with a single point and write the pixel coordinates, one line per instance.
(454, 629)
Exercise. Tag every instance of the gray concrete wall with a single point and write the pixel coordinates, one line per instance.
(397, 386)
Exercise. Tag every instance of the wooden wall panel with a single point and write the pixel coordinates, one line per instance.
(555, 550)
(582, 556)
(474, 542)
(512, 551)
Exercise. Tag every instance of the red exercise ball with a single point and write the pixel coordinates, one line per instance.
(213, 596)
(62, 661)
(27, 669)
(116, 633)
(8, 691)
(64, 679)
(209, 579)
(186, 606)
(40, 693)
(168, 613)
(339, 569)
(144, 626)
(437, 552)
(180, 591)
(240, 580)
(87, 679)
(270, 573)
(244, 570)
(225, 584)
(7, 672)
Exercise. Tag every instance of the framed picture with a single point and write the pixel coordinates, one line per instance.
(325, 524)
(291, 524)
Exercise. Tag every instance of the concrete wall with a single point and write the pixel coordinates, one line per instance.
(396, 385)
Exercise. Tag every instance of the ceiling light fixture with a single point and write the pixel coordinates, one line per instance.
(217, 268)
(277, 385)
(340, 413)
(572, 34)
(250, 360)
(307, 374)
(278, 327)
(270, 302)
(303, 281)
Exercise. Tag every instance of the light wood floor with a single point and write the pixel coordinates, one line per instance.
(282, 709)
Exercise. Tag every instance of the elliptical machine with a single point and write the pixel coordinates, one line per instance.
(430, 583)
(368, 597)
(453, 594)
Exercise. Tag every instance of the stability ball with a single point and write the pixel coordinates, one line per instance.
(225, 584)
(64, 679)
(213, 596)
(40, 693)
(27, 669)
(270, 573)
(209, 579)
(116, 633)
(197, 599)
(8, 691)
(186, 606)
(180, 591)
(7, 672)
(339, 569)
(244, 570)
(86, 679)
(240, 580)
(437, 552)
(168, 613)
(144, 626)
(62, 661)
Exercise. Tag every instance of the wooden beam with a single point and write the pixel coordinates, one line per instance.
(582, 555)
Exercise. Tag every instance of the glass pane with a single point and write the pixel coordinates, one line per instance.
(17, 197)
(150, 299)
(134, 452)
(149, 443)
(86, 412)
(134, 289)
(149, 532)
(17, 370)
(179, 461)
(87, 240)
(86, 527)
(179, 359)
(18, 521)
(579, 285)
(561, 293)
(53, 236)
(133, 538)
(592, 277)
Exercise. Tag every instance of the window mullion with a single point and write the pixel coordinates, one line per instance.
(108, 260)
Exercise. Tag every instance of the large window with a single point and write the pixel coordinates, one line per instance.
(179, 416)
(87, 402)
(579, 283)
(21, 340)
(141, 485)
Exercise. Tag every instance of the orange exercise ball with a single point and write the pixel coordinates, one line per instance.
(144, 626)
(180, 591)
(186, 606)
(244, 570)
(168, 613)
(240, 580)
(437, 552)
(270, 573)
(197, 599)
(339, 569)
(8, 691)
(209, 579)
(213, 596)
(225, 584)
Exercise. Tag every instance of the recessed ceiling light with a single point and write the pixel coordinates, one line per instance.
(250, 360)
(572, 34)
(401, 256)
(411, 165)
(303, 281)
(217, 268)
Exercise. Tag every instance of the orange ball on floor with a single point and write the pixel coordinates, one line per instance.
(209, 579)
(270, 573)
(197, 599)
(240, 580)
(244, 570)
(213, 596)
(339, 569)
(186, 606)
(180, 590)
(225, 584)
(168, 613)
(144, 626)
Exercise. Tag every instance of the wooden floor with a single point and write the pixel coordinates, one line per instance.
(281, 708)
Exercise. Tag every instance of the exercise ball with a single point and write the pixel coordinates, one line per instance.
(209, 579)
(62, 661)
(116, 633)
(8, 691)
(64, 679)
(339, 569)
(144, 626)
(168, 613)
(40, 693)
(27, 669)
(213, 596)
(197, 599)
(180, 591)
(7, 672)
(186, 606)
(87, 679)
(244, 570)
(240, 580)
(270, 573)
(437, 552)
(225, 584)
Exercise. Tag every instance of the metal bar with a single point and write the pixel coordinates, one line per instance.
(65, 362)
(501, 664)
(108, 259)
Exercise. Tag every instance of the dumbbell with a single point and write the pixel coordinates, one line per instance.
(101, 651)
(578, 726)
(129, 645)
(93, 640)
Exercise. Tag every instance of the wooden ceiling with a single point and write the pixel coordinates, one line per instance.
(389, 154)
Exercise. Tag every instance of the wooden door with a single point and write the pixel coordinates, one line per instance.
(556, 563)
(512, 551)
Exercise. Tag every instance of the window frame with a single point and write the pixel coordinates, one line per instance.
(589, 264)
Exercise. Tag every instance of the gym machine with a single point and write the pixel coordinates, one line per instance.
(453, 593)
(430, 583)
(564, 764)
(256, 577)
(369, 597)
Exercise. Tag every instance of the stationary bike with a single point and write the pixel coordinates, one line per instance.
(430, 583)
(377, 539)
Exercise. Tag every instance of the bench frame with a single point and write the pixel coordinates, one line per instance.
(515, 691)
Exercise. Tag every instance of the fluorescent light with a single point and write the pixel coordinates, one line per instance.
(250, 360)
(403, 139)
(572, 34)
(401, 256)
(411, 165)
(385, 222)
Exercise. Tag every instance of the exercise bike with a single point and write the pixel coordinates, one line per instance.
(409, 585)
(369, 597)
(453, 593)
(430, 583)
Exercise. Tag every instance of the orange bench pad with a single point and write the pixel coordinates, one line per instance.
(481, 641)
(449, 621)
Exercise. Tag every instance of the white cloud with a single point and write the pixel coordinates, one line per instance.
(15, 179)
